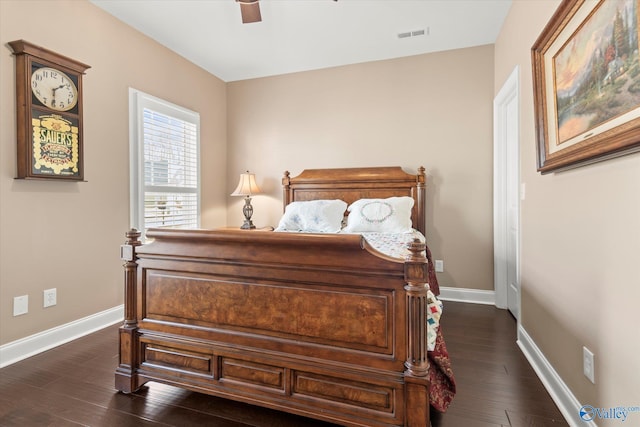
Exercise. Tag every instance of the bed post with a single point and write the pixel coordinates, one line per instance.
(286, 190)
(125, 380)
(417, 365)
(421, 180)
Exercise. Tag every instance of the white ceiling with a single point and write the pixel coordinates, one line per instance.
(302, 35)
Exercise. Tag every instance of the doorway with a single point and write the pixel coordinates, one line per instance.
(506, 195)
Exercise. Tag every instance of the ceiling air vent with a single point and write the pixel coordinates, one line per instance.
(407, 34)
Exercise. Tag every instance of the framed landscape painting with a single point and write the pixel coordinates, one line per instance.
(586, 81)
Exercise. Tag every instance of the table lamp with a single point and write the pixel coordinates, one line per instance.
(247, 187)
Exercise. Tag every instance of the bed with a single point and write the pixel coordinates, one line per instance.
(317, 324)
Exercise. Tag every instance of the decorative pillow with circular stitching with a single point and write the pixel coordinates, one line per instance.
(391, 215)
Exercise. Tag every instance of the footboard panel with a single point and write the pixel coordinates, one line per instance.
(264, 322)
(335, 316)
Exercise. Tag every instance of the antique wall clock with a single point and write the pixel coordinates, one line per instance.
(49, 113)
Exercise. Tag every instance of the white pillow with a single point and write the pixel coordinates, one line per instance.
(314, 216)
(392, 215)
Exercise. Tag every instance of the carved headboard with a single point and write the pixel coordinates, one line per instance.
(351, 184)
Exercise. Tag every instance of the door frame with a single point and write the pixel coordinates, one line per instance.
(505, 99)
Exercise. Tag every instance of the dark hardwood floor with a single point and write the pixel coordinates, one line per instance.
(72, 385)
(496, 386)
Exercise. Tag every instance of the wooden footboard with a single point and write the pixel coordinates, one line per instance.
(316, 325)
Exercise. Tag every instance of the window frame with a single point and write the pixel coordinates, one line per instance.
(138, 101)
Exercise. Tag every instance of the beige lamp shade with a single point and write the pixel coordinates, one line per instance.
(247, 185)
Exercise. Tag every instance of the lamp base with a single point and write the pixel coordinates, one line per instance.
(248, 225)
(247, 210)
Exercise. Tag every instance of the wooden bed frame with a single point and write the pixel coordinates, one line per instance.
(317, 325)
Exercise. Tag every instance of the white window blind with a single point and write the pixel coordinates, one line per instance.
(165, 164)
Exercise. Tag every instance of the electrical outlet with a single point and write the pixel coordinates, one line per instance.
(49, 297)
(439, 266)
(588, 364)
(21, 305)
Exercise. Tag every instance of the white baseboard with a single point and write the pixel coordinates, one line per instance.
(561, 394)
(474, 296)
(30, 346)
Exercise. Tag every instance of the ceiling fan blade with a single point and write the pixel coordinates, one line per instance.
(250, 11)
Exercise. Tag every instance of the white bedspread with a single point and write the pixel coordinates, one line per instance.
(395, 246)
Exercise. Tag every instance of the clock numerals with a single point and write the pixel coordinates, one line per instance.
(40, 76)
(54, 89)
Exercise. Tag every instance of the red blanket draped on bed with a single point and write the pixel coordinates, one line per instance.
(443, 384)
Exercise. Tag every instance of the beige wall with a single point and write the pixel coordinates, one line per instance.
(580, 246)
(65, 234)
(433, 110)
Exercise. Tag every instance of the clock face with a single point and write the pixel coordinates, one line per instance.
(54, 89)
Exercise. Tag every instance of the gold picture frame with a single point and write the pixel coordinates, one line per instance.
(586, 82)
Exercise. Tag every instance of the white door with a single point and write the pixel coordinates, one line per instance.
(507, 196)
(513, 206)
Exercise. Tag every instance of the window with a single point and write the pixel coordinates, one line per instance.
(165, 176)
